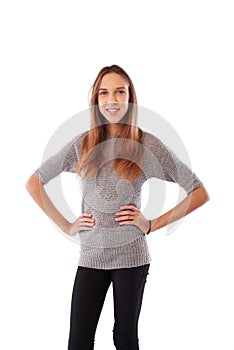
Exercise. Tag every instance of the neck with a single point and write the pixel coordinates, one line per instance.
(113, 129)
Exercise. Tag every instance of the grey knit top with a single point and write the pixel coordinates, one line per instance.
(109, 245)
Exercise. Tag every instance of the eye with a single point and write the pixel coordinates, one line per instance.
(102, 92)
(121, 92)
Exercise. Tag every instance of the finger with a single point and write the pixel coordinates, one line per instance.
(86, 218)
(86, 221)
(125, 212)
(125, 217)
(86, 215)
(127, 222)
(131, 207)
(85, 228)
(88, 224)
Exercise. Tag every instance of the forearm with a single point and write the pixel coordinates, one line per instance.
(38, 193)
(191, 202)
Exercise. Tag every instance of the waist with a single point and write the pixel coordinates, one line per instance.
(110, 237)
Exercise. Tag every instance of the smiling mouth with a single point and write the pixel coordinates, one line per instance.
(112, 111)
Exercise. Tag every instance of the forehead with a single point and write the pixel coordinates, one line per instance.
(112, 80)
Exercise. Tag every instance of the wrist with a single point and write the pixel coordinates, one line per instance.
(66, 228)
(149, 229)
(156, 224)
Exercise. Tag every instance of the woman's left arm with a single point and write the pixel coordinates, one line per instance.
(192, 201)
(161, 157)
(129, 214)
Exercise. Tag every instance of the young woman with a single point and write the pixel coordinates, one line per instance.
(113, 159)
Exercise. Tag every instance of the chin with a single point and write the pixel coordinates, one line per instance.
(113, 121)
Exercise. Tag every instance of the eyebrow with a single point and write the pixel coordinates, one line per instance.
(121, 87)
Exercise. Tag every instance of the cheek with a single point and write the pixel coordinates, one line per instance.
(101, 108)
(125, 102)
(125, 98)
(100, 103)
(125, 107)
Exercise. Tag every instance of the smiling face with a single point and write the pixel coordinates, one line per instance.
(113, 97)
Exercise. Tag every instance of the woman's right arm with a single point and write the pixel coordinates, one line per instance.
(36, 189)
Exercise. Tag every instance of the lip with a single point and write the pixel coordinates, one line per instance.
(113, 110)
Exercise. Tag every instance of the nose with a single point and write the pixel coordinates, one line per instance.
(111, 98)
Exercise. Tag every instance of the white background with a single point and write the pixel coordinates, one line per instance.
(180, 57)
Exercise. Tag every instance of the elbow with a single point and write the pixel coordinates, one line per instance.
(200, 196)
(33, 184)
(204, 195)
(28, 185)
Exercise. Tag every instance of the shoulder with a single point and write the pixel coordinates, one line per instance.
(78, 139)
(151, 140)
(71, 149)
(156, 146)
(81, 136)
(149, 137)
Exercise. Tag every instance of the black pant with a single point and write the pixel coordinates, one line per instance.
(90, 288)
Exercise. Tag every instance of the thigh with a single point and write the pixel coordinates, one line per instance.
(89, 291)
(128, 289)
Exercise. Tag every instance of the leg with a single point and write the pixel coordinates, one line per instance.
(128, 289)
(90, 288)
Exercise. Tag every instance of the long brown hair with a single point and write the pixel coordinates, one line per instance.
(129, 135)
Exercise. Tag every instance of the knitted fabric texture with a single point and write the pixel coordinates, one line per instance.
(108, 245)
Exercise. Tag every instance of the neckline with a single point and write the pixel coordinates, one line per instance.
(111, 136)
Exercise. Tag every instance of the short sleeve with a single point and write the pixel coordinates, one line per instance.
(166, 165)
(64, 160)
